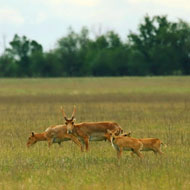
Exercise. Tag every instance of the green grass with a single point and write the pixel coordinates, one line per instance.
(149, 107)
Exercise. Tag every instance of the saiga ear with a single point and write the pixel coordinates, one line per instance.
(129, 134)
(115, 133)
(32, 134)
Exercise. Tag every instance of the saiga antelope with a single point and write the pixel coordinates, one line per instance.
(89, 131)
(53, 134)
(149, 144)
(122, 142)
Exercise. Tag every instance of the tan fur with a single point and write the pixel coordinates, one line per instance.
(121, 143)
(57, 133)
(152, 144)
(149, 144)
(89, 131)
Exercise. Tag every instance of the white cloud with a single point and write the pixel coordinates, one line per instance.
(179, 4)
(41, 17)
(87, 3)
(72, 11)
(91, 11)
(57, 4)
(10, 16)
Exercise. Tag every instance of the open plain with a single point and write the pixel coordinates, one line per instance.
(147, 106)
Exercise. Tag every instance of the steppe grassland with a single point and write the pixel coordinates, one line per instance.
(149, 107)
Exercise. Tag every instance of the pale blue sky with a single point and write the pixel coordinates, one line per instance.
(48, 20)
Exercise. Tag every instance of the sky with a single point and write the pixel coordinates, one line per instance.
(46, 21)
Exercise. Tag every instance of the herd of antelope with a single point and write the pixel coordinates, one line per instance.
(82, 133)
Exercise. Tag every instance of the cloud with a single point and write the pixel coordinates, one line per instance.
(10, 16)
(179, 4)
(57, 4)
(87, 3)
(41, 17)
(91, 11)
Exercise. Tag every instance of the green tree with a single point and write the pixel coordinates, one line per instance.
(8, 67)
(67, 48)
(182, 45)
(159, 47)
(110, 56)
(52, 67)
(156, 41)
(21, 49)
(84, 43)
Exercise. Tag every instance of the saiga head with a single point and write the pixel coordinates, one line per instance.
(69, 122)
(127, 134)
(111, 134)
(31, 140)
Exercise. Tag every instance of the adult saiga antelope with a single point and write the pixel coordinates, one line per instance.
(149, 144)
(53, 134)
(89, 131)
(122, 142)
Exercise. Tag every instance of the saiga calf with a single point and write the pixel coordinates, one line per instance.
(122, 142)
(149, 144)
(53, 134)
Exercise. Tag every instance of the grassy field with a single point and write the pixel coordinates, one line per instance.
(149, 107)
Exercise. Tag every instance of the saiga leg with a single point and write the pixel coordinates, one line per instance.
(86, 141)
(119, 152)
(77, 142)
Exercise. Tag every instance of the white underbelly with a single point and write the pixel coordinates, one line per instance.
(57, 140)
(97, 137)
(116, 147)
(127, 149)
(146, 149)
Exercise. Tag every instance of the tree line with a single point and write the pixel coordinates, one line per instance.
(159, 47)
